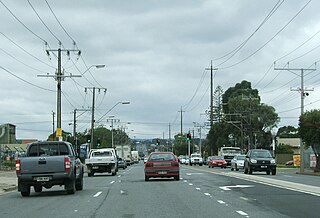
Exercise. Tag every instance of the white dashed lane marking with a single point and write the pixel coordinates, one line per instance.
(112, 182)
(221, 202)
(242, 213)
(96, 195)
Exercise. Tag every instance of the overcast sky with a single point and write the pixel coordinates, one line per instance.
(155, 54)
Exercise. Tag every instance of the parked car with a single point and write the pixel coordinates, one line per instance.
(122, 163)
(260, 160)
(217, 161)
(162, 164)
(238, 162)
(290, 163)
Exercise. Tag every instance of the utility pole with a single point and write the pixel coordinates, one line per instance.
(303, 94)
(181, 111)
(75, 139)
(211, 93)
(170, 137)
(112, 121)
(59, 76)
(52, 125)
(92, 112)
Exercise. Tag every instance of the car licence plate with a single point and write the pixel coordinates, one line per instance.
(162, 172)
(263, 166)
(42, 179)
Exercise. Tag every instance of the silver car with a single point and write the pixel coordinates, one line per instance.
(238, 162)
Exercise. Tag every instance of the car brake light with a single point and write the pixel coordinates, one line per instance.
(67, 163)
(174, 164)
(148, 164)
(18, 166)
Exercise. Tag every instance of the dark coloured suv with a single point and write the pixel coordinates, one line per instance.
(260, 160)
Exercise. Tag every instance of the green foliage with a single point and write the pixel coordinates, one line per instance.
(284, 149)
(243, 112)
(310, 132)
(288, 132)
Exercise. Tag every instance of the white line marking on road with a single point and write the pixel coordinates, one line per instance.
(75, 210)
(181, 178)
(242, 213)
(185, 181)
(208, 194)
(96, 195)
(243, 198)
(190, 184)
(221, 202)
(189, 174)
(228, 188)
(119, 180)
(119, 176)
(198, 189)
(121, 192)
(112, 182)
(288, 176)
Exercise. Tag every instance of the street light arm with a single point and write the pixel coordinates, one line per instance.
(97, 66)
(112, 109)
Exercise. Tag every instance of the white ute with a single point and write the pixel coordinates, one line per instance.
(102, 160)
(196, 159)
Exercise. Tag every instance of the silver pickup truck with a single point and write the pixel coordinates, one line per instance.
(47, 164)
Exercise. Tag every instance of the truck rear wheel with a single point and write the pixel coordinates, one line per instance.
(70, 186)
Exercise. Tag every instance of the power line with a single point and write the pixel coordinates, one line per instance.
(274, 9)
(32, 84)
(60, 23)
(43, 22)
(25, 50)
(266, 43)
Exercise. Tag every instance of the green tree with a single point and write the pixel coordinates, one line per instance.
(288, 132)
(309, 130)
(251, 121)
(284, 149)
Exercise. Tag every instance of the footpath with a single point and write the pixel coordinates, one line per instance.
(8, 181)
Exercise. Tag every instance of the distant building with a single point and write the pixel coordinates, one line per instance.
(293, 142)
(7, 134)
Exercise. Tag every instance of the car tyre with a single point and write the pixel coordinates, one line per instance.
(79, 182)
(70, 186)
(37, 188)
(268, 172)
(245, 170)
(177, 178)
(146, 178)
(26, 191)
(274, 171)
(250, 170)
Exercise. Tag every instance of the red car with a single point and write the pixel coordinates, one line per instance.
(162, 164)
(217, 161)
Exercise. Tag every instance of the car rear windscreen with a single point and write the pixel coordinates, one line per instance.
(48, 150)
(162, 157)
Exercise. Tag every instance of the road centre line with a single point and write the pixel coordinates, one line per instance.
(96, 195)
(208, 194)
(112, 182)
(198, 189)
(190, 184)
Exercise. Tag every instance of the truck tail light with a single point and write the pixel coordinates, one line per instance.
(67, 164)
(18, 169)
(148, 164)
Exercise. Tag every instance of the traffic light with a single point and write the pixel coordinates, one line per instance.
(188, 136)
(158, 142)
(88, 138)
(98, 142)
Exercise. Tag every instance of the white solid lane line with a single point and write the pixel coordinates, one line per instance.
(96, 195)
(242, 213)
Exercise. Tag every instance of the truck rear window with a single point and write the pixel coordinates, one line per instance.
(48, 150)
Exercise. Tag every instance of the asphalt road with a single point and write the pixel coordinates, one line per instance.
(201, 192)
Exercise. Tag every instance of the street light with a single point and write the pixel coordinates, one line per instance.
(96, 65)
(120, 102)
